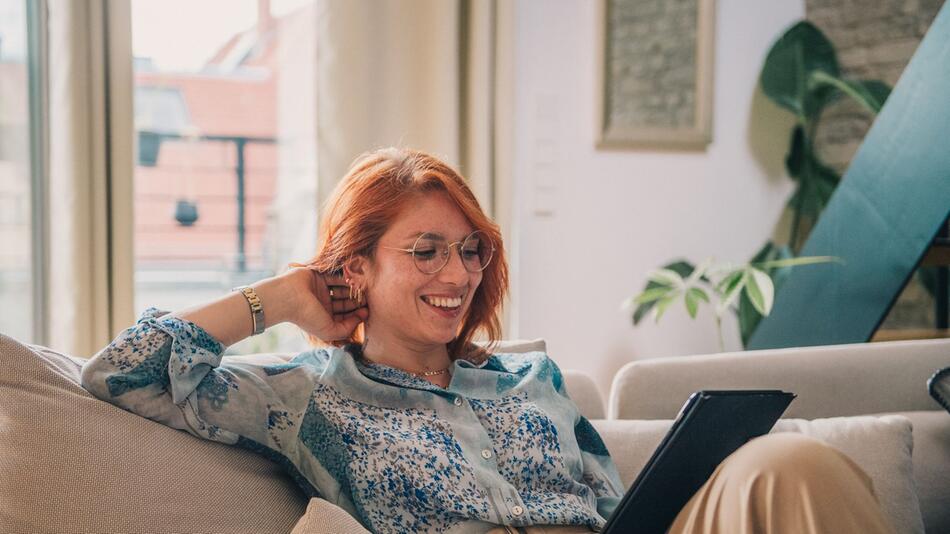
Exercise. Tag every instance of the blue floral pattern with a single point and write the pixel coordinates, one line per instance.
(501, 444)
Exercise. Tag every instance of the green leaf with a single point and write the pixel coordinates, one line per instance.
(699, 272)
(681, 267)
(749, 319)
(693, 296)
(879, 90)
(726, 285)
(760, 290)
(666, 277)
(801, 50)
(692, 301)
(794, 262)
(641, 312)
(700, 294)
(795, 160)
(731, 293)
(769, 258)
(653, 294)
(818, 98)
(871, 94)
(816, 184)
(663, 304)
(769, 251)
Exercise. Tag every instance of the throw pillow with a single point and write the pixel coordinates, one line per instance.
(881, 446)
(72, 463)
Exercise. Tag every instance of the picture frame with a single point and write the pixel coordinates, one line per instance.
(655, 91)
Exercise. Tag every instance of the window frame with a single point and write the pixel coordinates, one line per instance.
(37, 68)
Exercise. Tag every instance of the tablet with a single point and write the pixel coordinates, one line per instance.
(710, 427)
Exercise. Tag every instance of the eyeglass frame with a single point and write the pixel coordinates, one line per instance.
(412, 252)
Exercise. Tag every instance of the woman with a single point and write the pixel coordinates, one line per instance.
(399, 418)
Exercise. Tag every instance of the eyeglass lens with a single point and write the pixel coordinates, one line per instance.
(431, 252)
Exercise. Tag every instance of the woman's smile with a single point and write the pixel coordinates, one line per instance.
(443, 306)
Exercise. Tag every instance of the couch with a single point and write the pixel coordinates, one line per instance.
(72, 463)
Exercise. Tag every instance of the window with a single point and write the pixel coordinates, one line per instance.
(225, 177)
(21, 230)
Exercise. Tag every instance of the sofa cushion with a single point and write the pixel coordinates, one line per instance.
(881, 446)
(72, 463)
(323, 516)
(932, 466)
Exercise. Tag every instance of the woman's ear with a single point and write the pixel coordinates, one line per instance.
(356, 271)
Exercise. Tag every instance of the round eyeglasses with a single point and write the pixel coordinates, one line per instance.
(431, 252)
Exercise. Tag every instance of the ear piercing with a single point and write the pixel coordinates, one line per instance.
(356, 293)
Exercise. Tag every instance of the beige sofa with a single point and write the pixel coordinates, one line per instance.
(72, 463)
(830, 381)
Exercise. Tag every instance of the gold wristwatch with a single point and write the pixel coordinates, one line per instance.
(257, 308)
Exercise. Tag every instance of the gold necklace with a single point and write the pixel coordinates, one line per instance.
(429, 373)
(363, 357)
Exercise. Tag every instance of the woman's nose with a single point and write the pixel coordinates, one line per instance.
(454, 268)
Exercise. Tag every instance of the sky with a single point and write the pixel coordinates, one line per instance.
(12, 30)
(180, 35)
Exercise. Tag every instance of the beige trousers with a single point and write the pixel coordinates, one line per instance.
(778, 483)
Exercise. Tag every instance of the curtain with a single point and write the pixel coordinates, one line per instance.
(88, 109)
(412, 73)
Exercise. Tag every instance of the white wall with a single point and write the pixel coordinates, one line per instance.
(614, 215)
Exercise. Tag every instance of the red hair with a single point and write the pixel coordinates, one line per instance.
(364, 204)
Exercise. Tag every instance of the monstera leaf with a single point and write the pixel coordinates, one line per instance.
(802, 75)
(788, 68)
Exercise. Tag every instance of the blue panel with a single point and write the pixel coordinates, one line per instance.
(883, 216)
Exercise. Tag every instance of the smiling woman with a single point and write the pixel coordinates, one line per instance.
(388, 201)
(398, 417)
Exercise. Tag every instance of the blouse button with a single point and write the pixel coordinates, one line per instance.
(517, 510)
(486, 454)
(458, 401)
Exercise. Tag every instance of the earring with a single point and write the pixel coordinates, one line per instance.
(356, 293)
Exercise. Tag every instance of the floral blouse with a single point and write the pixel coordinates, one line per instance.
(503, 444)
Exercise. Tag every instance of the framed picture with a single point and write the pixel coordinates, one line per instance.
(656, 70)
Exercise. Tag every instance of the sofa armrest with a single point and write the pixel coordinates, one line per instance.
(836, 380)
(583, 391)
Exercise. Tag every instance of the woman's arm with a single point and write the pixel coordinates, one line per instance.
(300, 296)
(599, 471)
(168, 367)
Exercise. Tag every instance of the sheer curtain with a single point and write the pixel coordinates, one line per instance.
(414, 73)
(90, 137)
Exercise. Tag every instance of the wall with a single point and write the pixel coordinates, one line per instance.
(591, 223)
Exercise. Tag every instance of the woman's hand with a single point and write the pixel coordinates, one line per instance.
(324, 307)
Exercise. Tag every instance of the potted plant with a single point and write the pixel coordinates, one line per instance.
(801, 74)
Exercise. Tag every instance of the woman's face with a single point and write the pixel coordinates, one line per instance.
(400, 297)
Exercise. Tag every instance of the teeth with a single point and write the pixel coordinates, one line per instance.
(443, 302)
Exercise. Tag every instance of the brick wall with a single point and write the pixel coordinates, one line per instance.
(875, 39)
